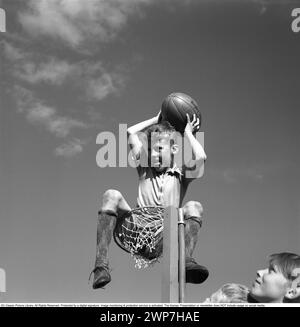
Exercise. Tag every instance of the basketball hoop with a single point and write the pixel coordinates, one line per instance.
(140, 233)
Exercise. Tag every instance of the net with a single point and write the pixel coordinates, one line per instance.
(140, 234)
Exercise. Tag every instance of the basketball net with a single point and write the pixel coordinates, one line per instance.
(140, 234)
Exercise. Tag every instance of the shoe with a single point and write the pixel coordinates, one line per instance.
(101, 277)
(195, 273)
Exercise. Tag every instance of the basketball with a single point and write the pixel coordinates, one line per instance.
(175, 107)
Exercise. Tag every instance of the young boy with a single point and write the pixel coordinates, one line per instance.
(229, 293)
(274, 284)
(161, 183)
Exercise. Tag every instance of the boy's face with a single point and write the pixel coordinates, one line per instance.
(270, 286)
(161, 152)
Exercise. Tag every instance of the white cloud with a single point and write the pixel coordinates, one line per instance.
(60, 126)
(254, 172)
(34, 68)
(75, 20)
(69, 149)
(91, 78)
(237, 175)
(53, 71)
(99, 88)
(40, 114)
(12, 53)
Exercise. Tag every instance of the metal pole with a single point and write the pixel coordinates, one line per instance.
(181, 261)
(170, 256)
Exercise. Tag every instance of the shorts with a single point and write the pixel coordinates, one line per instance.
(140, 232)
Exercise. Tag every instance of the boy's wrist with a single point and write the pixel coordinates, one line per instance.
(188, 132)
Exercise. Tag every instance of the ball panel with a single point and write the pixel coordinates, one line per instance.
(176, 106)
(187, 102)
(181, 112)
(187, 105)
(173, 115)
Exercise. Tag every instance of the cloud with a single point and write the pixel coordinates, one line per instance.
(69, 149)
(34, 68)
(89, 77)
(99, 88)
(237, 175)
(12, 53)
(73, 21)
(60, 126)
(254, 172)
(265, 4)
(53, 71)
(40, 114)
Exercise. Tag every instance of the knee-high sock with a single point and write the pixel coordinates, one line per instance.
(192, 227)
(105, 226)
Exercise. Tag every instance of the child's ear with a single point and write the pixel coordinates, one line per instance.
(175, 148)
(292, 293)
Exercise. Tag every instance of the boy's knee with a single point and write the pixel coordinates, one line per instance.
(193, 208)
(112, 195)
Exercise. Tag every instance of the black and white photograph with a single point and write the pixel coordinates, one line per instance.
(150, 153)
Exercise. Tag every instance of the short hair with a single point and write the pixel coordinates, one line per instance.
(286, 263)
(231, 293)
(235, 293)
(163, 127)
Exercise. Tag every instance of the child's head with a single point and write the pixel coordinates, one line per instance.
(275, 283)
(161, 145)
(229, 293)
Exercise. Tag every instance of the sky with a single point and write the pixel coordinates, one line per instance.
(72, 69)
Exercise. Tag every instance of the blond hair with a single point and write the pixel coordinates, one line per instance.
(230, 293)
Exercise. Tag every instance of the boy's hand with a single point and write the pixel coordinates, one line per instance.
(192, 126)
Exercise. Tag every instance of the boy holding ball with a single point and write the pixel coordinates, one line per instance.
(161, 184)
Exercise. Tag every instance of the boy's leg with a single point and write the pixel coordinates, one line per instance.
(113, 207)
(193, 213)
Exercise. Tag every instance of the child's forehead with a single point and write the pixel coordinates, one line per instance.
(163, 138)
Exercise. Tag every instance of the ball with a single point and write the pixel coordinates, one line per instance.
(175, 107)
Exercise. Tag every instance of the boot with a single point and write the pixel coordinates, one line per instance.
(194, 273)
(105, 227)
(101, 277)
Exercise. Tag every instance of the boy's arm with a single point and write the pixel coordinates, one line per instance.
(195, 170)
(132, 134)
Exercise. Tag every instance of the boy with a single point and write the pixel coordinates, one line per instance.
(229, 293)
(161, 183)
(274, 284)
